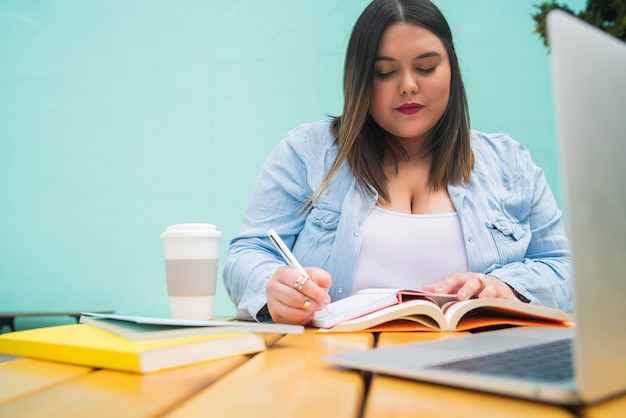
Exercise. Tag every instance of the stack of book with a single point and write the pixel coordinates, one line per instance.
(140, 344)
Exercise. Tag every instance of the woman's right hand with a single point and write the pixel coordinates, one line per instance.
(293, 299)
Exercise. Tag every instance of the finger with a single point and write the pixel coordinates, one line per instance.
(317, 287)
(294, 293)
(281, 281)
(288, 307)
(450, 284)
(286, 276)
(290, 297)
(474, 286)
(280, 289)
(286, 292)
(309, 304)
(497, 289)
(284, 302)
(320, 277)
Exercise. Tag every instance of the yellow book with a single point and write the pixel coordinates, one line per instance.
(89, 346)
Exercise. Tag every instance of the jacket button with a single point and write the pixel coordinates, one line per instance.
(356, 233)
(340, 290)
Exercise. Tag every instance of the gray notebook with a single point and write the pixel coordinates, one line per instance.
(589, 73)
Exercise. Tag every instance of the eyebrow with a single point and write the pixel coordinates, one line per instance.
(422, 56)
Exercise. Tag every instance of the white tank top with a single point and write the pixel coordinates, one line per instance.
(408, 251)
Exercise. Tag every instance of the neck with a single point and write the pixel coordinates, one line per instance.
(414, 154)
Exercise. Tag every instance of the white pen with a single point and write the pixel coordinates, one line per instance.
(289, 257)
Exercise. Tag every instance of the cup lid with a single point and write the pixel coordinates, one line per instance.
(191, 230)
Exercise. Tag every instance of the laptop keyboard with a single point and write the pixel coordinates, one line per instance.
(550, 362)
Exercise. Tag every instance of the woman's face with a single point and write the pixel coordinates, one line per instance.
(411, 81)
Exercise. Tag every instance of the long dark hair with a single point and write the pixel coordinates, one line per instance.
(362, 142)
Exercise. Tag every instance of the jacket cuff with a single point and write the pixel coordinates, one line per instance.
(264, 315)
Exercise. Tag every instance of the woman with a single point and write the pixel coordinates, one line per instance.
(398, 192)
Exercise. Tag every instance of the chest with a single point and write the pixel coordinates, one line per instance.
(410, 193)
(408, 251)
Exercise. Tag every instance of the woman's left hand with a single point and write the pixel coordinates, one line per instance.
(469, 284)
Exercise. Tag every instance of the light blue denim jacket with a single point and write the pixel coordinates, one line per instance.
(511, 223)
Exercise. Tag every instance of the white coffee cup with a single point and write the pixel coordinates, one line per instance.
(191, 259)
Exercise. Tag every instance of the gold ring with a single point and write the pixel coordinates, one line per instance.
(483, 282)
(307, 303)
(299, 284)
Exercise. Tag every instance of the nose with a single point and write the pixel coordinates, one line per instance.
(408, 85)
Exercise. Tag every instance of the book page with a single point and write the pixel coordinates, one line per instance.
(439, 298)
(367, 301)
(354, 306)
(247, 326)
(495, 311)
(419, 311)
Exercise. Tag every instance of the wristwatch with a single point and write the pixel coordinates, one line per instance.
(519, 295)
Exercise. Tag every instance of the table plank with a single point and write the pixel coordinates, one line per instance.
(108, 393)
(387, 339)
(22, 377)
(391, 397)
(395, 397)
(290, 380)
(615, 407)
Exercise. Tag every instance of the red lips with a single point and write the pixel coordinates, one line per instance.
(409, 108)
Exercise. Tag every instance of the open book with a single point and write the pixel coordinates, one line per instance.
(416, 310)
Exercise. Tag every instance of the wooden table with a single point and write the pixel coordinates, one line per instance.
(288, 380)
(8, 318)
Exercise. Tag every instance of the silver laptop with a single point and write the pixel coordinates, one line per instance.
(589, 74)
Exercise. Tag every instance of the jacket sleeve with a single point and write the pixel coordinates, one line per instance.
(277, 197)
(544, 275)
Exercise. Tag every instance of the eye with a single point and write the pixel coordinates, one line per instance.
(426, 70)
(384, 75)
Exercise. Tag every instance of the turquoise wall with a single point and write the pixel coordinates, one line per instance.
(120, 117)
